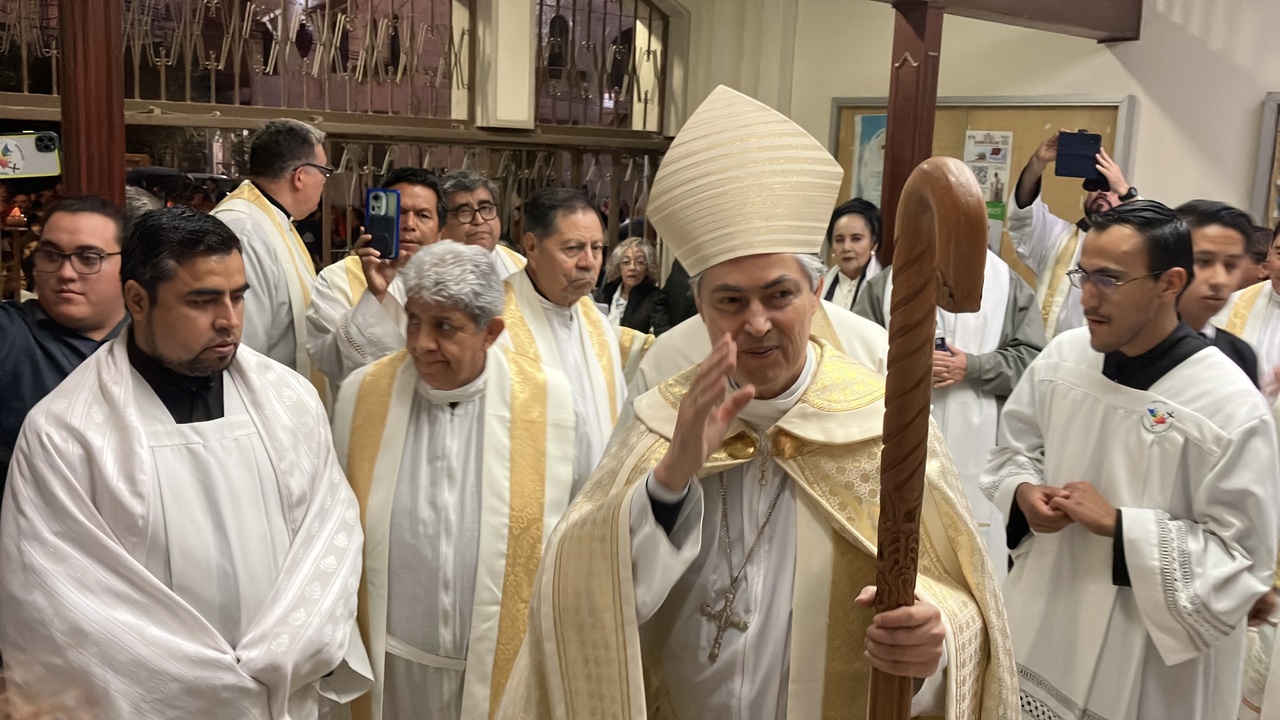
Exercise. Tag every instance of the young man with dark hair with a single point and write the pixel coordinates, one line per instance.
(179, 539)
(78, 307)
(357, 310)
(1220, 238)
(1139, 469)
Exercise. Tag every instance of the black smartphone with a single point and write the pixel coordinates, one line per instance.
(1078, 155)
(940, 344)
(382, 221)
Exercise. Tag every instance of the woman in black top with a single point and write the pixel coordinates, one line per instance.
(631, 294)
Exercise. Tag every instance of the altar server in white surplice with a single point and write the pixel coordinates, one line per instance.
(977, 360)
(550, 315)
(461, 454)
(287, 173)
(1139, 470)
(357, 305)
(178, 539)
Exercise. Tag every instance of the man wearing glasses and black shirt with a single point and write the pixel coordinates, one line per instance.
(474, 218)
(78, 307)
(287, 173)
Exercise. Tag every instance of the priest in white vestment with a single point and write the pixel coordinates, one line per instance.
(550, 315)
(985, 356)
(718, 563)
(178, 539)
(1050, 245)
(357, 304)
(1139, 469)
(287, 174)
(475, 218)
(460, 452)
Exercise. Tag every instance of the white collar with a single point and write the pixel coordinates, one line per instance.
(470, 391)
(761, 413)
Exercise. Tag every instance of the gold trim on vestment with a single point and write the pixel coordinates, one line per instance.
(597, 334)
(517, 327)
(357, 283)
(1058, 274)
(1243, 307)
(847, 679)
(823, 329)
(368, 423)
(297, 250)
(527, 503)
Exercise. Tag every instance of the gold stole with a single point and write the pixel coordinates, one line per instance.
(1242, 308)
(1051, 305)
(824, 330)
(513, 259)
(525, 427)
(632, 346)
(524, 343)
(300, 260)
(357, 283)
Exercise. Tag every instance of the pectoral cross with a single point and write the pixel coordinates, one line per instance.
(723, 619)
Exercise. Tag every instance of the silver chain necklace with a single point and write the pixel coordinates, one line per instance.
(724, 618)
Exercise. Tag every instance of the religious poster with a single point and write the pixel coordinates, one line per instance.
(868, 156)
(987, 152)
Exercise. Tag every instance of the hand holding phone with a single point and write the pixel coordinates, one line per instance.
(382, 221)
(1078, 155)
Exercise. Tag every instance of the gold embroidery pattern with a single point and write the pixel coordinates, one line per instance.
(595, 329)
(1048, 308)
(369, 422)
(847, 679)
(849, 489)
(517, 326)
(840, 384)
(1243, 307)
(527, 504)
(585, 551)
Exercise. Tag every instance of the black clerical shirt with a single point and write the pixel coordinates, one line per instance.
(36, 355)
(188, 399)
(1139, 372)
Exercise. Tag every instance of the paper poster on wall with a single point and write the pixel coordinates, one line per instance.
(996, 213)
(986, 152)
(868, 156)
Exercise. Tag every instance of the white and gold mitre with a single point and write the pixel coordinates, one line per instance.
(742, 179)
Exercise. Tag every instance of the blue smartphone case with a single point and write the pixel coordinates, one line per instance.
(382, 221)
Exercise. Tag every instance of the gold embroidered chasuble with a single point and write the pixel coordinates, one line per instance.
(582, 657)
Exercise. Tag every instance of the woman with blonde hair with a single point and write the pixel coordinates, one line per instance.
(631, 293)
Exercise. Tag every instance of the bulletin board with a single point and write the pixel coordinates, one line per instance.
(1031, 120)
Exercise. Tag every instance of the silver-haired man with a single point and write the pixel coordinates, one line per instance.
(462, 454)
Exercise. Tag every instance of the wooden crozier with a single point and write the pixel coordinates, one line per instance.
(938, 261)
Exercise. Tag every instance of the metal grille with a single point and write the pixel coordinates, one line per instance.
(384, 57)
(601, 63)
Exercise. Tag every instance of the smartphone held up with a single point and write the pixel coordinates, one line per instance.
(382, 222)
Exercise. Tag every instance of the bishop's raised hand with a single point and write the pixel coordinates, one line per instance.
(704, 417)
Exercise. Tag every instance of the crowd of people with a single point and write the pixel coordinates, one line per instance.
(471, 482)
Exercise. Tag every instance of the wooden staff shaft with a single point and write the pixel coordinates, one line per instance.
(938, 260)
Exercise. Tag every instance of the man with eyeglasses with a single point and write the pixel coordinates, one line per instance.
(287, 173)
(1138, 468)
(78, 307)
(474, 218)
(357, 312)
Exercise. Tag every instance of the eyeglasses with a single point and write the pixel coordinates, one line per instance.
(323, 169)
(466, 213)
(84, 262)
(628, 262)
(1105, 283)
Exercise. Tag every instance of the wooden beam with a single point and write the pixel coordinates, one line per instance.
(1101, 20)
(913, 99)
(92, 80)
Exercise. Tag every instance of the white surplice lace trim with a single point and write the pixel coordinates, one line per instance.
(1179, 589)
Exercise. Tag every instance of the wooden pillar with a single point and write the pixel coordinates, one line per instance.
(913, 99)
(92, 79)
